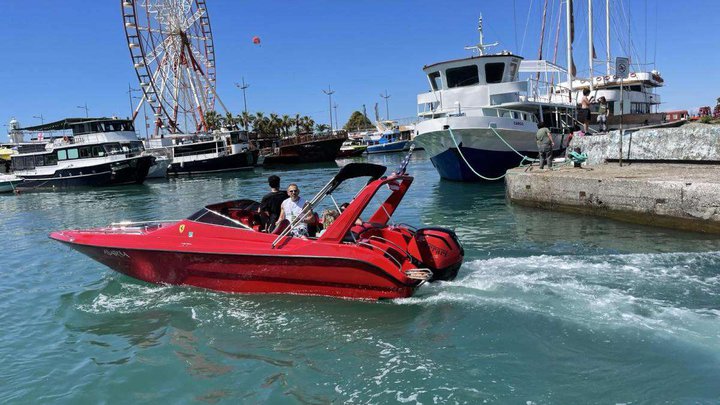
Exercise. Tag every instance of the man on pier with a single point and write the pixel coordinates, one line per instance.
(545, 145)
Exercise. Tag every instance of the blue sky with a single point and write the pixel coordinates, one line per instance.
(60, 55)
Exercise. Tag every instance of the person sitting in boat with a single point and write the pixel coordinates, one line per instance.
(291, 208)
(271, 202)
(329, 216)
(358, 221)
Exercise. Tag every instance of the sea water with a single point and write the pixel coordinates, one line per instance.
(548, 308)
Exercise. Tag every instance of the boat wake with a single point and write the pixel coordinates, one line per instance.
(673, 292)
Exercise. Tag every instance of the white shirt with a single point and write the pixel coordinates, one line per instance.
(292, 210)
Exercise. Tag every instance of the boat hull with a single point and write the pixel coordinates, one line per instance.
(389, 147)
(489, 151)
(128, 171)
(351, 152)
(324, 150)
(243, 273)
(237, 161)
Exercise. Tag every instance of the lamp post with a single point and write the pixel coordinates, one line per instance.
(85, 107)
(387, 109)
(130, 96)
(329, 93)
(243, 87)
(337, 124)
(40, 117)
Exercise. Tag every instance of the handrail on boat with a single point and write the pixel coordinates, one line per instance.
(386, 253)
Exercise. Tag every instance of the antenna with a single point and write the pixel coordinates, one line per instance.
(480, 47)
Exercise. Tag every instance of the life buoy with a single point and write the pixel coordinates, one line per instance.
(599, 78)
(632, 74)
(607, 78)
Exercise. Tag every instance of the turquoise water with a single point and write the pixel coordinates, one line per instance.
(548, 308)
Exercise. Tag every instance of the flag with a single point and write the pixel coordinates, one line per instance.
(572, 22)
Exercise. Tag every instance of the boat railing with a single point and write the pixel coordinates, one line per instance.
(540, 91)
(294, 140)
(491, 112)
(206, 151)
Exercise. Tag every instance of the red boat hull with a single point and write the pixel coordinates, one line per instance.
(242, 273)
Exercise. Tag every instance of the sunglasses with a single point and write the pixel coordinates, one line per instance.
(293, 191)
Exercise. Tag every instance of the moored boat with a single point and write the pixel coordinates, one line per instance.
(306, 149)
(189, 154)
(351, 148)
(89, 152)
(479, 118)
(222, 247)
(8, 183)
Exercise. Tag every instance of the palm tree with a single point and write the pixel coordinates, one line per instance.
(213, 120)
(296, 122)
(274, 127)
(322, 128)
(286, 124)
(246, 119)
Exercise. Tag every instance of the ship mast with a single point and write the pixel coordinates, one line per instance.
(590, 43)
(480, 47)
(568, 26)
(607, 36)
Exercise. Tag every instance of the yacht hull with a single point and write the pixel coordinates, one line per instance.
(489, 151)
(128, 171)
(389, 147)
(237, 161)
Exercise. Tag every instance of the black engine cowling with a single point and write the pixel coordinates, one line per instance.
(439, 250)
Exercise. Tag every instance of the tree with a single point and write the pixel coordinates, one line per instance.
(357, 122)
(322, 128)
(213, 120)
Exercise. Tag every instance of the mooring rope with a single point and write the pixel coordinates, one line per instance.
(524, 158)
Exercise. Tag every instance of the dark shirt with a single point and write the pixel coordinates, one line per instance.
(271, 204)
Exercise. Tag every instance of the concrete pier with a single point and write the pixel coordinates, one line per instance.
(680, 196)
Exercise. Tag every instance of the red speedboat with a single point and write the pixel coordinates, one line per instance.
(222, 247)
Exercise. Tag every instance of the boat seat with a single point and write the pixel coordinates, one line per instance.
(281, 227)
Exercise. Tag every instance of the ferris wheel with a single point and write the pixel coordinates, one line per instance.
(172, 51)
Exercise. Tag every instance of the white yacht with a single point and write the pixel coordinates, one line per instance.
(479, 118)
(186, 154)
(81, 152)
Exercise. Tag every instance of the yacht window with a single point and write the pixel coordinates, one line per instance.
(513, 71)
(435, 81)
(98, 151)
(462, 76)
(126, 126)
(112, 148)
(62, 154)
(51, 159)
(73, 153)
(136, 146)
(494, 72)
(96, 127)
(85, 152)
(39, 160)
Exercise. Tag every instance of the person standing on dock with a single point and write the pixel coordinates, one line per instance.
(545, 144)
(271, 202)
(584, 110)
(602, 114)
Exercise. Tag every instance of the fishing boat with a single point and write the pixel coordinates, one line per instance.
(305, 149)
(222, 247)
(87, 152)
(8, 183)
(480, 119)
(351, 148)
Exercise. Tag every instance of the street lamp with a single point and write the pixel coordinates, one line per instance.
(335, 106)
(40, 117)
(130, 96)
(84, 107)
(243, 87)
(387, 109)
(329, 93)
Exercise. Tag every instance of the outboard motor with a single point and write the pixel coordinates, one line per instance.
(439, 250)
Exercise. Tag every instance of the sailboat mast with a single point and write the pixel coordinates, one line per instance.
(590, 43)
(607, 37)
(568, 12)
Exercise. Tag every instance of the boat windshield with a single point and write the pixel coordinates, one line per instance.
(236, 214)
